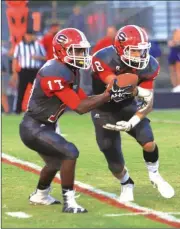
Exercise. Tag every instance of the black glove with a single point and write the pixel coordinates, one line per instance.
(119, 94)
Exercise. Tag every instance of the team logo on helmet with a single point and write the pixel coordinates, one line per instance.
(62, 39)
(122, 36)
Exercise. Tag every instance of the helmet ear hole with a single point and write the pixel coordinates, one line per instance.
(70, 51)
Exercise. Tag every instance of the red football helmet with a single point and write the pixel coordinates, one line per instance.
(71, 46)
(129, 40)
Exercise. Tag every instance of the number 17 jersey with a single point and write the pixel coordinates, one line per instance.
(52, 78)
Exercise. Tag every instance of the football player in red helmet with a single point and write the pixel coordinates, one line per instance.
(129, 54)
(133, 47)
(71, 46)
(55, 88)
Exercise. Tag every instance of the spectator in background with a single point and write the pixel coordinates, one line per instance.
(107, 40)
(29, 56)
(5, 78)
(47, 39)
(155, 49)
(174, 60)
(76, 20)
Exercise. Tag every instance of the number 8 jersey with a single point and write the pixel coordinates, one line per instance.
(56, 86)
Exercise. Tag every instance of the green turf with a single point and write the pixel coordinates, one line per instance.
(92, 169)
(15, 199)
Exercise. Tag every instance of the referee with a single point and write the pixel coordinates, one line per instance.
(29, 56)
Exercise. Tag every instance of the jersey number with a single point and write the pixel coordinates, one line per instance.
(99, 66)
(53, 118)
(50, 84)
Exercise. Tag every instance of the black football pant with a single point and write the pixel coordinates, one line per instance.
(109, 141)
(25, 76)
(43, 139)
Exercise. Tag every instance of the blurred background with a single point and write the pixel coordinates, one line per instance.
(32, 21)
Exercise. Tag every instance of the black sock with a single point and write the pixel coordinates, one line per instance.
(151, 156)
(42, 186)
(66, 189)
(129, 181)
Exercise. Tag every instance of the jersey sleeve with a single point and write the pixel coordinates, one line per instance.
(69, 97)
(81, 93)
(149, 74)
(101, 68)
(52, 84)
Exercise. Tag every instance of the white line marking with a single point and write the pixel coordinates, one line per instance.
(139, 213)
(113, 196)
(21, 215)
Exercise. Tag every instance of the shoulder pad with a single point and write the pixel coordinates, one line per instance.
(151, 71)
(55, 68)
(106, 54)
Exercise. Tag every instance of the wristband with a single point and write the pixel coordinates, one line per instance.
(142, 92)
(134, 120)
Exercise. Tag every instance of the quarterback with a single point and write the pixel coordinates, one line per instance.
(55, 88)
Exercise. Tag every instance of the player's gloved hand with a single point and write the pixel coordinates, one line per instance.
(120, 126)
(119, 94)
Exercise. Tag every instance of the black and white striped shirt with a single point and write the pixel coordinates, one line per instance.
(24, 52)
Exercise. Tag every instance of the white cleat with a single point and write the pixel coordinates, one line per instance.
(70, 205)
(42, 197)
(165, 189)
(126, 193)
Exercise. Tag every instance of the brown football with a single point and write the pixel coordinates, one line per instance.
(126, 79)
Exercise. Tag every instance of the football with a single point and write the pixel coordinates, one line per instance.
(126, 79)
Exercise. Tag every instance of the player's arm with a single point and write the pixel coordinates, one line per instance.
(106, 75)
(145, 92)
(81, 106)
(147, 96)
(81, 93)
(80, 103)
(103, 71)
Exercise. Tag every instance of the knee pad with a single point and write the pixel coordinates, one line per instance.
(115, 168)
(149, 146)
(73, 152)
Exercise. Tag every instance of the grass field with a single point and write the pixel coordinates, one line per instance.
(91, 169)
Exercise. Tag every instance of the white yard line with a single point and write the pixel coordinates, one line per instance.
(21, 215)
(139, 213)
(111, 196)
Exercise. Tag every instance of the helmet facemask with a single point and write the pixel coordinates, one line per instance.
(78, 56)
(137, 62)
